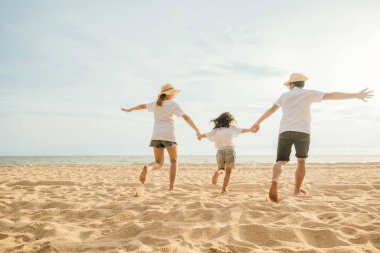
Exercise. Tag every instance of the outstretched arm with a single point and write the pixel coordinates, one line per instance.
(247, 130)
(256, 127)
(362, 95)
(139, 107)
(191, 123)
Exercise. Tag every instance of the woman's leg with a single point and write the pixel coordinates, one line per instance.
(173, 155)
(226, 178)
(159, 162)
(214, 179)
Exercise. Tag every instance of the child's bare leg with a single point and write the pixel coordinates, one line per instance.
(173, 155)
(226, 179)
(216, 175)
(159, 162)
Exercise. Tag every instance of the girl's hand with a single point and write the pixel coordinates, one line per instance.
(255, 128)
(199, 136)
(126, 110)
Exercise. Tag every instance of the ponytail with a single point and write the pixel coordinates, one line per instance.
(161, 98)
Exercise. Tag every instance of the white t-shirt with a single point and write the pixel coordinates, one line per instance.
(163, 119)
(296, 109)
(223, 136)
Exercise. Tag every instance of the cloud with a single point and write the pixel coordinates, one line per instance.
(197, 73)
(114, 115)
(210, 39)
(253, 70)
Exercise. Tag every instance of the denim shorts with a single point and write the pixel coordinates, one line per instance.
(162, 144)
(226, 158)
(286, 140)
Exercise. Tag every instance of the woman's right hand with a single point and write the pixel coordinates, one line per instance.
(255, 128)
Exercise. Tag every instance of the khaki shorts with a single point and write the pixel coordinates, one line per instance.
(286, 140)
(225, 158)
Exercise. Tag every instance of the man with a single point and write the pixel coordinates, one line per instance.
(295, 126)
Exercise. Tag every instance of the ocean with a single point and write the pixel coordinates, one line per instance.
(196, 159)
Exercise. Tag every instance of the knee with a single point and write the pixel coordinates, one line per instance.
(280, 164)
(228, 171)
(173, 160)
(160, 163)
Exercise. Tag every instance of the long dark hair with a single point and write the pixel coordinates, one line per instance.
(161, 98)
(224, 120)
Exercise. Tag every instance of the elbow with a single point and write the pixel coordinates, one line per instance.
(327, 96)
(273, 109)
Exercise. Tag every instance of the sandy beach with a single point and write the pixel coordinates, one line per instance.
(92, 208)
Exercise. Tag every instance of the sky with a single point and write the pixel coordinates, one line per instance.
(67, 67)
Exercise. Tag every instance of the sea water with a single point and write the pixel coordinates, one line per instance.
(195, 159)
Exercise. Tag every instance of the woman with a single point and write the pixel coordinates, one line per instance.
(163, 136)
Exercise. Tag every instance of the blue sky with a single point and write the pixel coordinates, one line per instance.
(66, 67)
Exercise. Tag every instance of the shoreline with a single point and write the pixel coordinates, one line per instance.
(182, 159)
(186, 164)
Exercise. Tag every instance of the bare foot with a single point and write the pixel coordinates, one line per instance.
(139, 191)
(215, 177)
(301, 191)
(143, 174)
(224, 191)
(171, 187)
(273, 192)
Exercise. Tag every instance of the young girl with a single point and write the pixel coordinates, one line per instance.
(163, 131)
(222, 135)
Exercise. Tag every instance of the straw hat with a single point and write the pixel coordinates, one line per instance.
(169, 89)
(296, 77)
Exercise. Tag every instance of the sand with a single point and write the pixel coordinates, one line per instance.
(92, 208)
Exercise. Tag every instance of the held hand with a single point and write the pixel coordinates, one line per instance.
(199, 136)
(255, 128)
(364, 94)
(126, 110)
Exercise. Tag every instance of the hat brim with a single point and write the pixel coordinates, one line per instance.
(171, 92)
(297, 80)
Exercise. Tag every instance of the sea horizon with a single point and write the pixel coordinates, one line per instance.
(185, 159)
